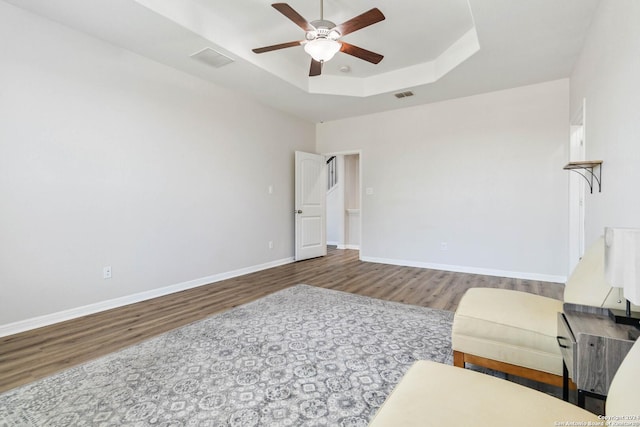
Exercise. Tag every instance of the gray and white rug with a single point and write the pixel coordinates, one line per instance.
(303, 356)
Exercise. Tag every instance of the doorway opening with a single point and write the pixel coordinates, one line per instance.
(344, 200)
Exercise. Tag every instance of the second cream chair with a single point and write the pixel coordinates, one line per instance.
(515, 332)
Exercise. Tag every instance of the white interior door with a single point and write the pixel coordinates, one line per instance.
(310, 206)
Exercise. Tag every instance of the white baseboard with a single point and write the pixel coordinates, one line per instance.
(471, 270)
(355, 247)
(61, 316)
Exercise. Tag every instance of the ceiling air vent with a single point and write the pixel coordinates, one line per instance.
(212, 57)
(403, 94)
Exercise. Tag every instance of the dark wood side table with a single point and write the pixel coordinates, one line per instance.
(593, 346)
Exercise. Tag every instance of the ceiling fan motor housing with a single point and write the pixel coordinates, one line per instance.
(324, 30)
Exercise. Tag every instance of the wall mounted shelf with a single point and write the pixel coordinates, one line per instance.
(588, 166)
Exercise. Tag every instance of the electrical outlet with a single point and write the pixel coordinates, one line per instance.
(444, 246)
(106, 272)
(270, 244)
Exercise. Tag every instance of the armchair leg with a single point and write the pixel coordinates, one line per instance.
(458, 359)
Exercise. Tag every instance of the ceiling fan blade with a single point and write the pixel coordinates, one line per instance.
(294, 16)
(368, 18)
(361, 53)
(276, 47)
(316, 68)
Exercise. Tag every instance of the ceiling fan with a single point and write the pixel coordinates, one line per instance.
(322, 37)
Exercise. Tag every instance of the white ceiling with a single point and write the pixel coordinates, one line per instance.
(438, 49)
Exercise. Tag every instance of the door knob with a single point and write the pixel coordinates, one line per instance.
(298, 211)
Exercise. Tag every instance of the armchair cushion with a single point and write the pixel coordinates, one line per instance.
(433, 394)
(509, 326)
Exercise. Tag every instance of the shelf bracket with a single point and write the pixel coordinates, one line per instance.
(589, 175)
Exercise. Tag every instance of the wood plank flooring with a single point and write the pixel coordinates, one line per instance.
(32, 355)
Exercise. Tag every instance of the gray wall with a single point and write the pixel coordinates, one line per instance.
(606, 77)
(482, 174)
(110, 159)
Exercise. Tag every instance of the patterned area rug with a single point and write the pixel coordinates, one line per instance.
(303, 356)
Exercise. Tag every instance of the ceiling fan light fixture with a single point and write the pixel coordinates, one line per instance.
(322, 49)
(333, 34)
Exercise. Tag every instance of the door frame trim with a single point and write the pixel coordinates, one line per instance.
(577, 192)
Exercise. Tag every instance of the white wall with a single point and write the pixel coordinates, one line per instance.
(607, 75)
(352, 181)
(482, 174)
(352, 200)
(107, 158)
(335, 208)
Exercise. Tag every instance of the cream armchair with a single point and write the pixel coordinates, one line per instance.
(515, 332)
(433, 394)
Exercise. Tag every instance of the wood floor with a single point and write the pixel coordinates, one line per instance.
(31, 355)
